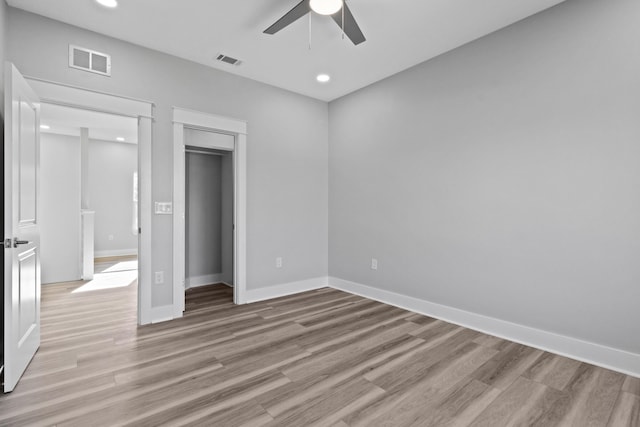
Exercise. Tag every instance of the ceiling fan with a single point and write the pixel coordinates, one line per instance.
(338, 10)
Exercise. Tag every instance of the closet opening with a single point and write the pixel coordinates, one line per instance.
(209, 216)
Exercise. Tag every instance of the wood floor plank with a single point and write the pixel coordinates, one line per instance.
(323, 358)
(419, 397)
(626, 412)
(491, 341)
(506, 366)
(419, 363)
(247, 414)
(588, 399)
(332, 356)
(459, 404)
(632, 385)
(462, 406)
(512, 406)
(290, 395)
(552, 370)
(337, 398)
(210, 401)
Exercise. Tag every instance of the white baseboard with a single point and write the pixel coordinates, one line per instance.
(270, 292)
(208, 279)
(595, 354)
(162, 313)
(115, 252)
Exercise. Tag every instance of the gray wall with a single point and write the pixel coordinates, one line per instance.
(503, 177)
(110, 193)
(203, 213)
(286, 154)
(60, 197)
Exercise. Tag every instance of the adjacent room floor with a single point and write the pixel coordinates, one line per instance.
(323, 358)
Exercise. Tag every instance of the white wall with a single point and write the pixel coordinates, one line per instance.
(110, 193)
(60, 210)
(503, 178)
(286, 151)
(110, 179)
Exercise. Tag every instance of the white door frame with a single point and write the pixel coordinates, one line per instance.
(209, 122)
(88, 99)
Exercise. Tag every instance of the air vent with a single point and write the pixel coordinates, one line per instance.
(228, 60)
(89, 60)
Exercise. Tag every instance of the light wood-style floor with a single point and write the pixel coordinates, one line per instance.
(324, 358)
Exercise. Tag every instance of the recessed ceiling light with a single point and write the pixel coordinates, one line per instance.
(45, 127)
(108, 3)
(323, 78)
(120, 139)
(325, 7)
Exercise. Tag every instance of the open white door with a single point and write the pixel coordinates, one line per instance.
(21, 226)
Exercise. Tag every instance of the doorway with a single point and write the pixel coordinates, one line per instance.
(209, 133)
(89, 201)
(140, 111)
(208, 214)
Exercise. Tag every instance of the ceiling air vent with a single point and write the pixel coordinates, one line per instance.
(89, 60)
(229, 60)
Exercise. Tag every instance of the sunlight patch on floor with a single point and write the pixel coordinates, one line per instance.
(122, 266)
(109, 280)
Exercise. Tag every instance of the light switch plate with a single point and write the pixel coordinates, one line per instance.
(163, 208)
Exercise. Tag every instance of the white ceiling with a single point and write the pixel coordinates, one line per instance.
(400, 34)
(106, 127)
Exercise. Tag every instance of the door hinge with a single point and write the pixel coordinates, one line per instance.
(139, 230)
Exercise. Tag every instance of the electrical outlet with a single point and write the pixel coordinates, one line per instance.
(279, 262)
(374, 264)
(163, 208)
(110, 236)
(159, 277)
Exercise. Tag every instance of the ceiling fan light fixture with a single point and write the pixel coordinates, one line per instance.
(325, 7)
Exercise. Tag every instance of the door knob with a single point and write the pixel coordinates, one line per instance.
(17, 242)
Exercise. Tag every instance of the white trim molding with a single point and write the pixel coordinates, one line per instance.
(184, 118)
(207, 279)
(208, 121)
(161, 314)
(115, 252)
(277, 291)
(78, 97)
(145, 128)
(595, 354)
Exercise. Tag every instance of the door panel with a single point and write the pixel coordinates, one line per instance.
(27, 162)
(27, 291)
(21, 228)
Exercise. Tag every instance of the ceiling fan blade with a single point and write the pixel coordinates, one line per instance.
(351, 28)
(290, 17)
